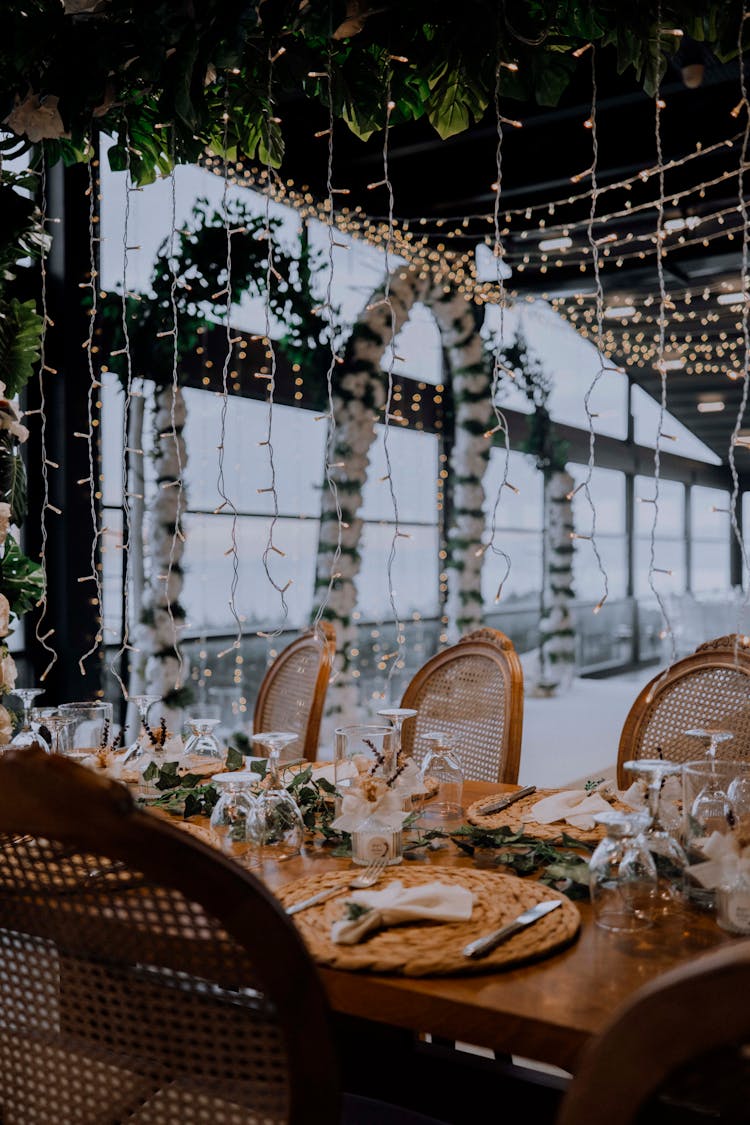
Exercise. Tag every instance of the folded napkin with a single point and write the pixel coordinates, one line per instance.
(574, 806)
(725, 859)
(435, 902)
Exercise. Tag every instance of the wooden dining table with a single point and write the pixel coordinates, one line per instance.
(546, 1010)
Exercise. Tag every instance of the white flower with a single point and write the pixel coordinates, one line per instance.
(8, 673)
(4, 616)
(38, 119)
(4, 522)
(6, 727)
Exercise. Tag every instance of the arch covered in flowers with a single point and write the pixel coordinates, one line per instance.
(359, 396)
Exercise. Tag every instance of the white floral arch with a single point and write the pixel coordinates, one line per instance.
(359, 396)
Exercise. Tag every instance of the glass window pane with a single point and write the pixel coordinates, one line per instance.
(112, 563)
(646, 418)
(298, 444)
(587, 580)
(710, 566)
(671, 518)
(414, 469)
(208, 570)
(419, 348)
(669, 554)
(607, 488)
(415, 573)
(525, 578)
(521, 510)
(709, 513)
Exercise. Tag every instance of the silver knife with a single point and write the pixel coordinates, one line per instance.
(506, 800)
(484, 945)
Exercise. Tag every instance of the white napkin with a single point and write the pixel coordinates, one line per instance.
(574, 806)
(724, 858)
(435, 902)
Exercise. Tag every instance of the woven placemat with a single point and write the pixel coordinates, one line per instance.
(420, 949)
(517, 816)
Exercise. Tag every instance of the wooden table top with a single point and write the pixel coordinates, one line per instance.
(546, 1010)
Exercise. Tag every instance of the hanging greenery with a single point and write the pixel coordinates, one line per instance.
(173, 70)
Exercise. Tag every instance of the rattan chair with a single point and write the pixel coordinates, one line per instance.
(711, 688)
(676, 1054)
(293, 692)
(143, 976)
(473, 692)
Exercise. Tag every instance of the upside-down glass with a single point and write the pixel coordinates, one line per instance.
(55, 722)
(203, 747)
(669, 855)
(443, 779)
(706, 808)
(623, 881)
(397, 716)
(275, 824)
(229, 819)
(90, 729)
(144, 703)
(26, 736)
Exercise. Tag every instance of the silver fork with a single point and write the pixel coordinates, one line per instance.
(368, 878)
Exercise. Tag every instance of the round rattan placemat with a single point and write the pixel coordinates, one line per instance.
(420, 949)
(516, 817)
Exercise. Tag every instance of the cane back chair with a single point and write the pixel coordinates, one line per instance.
(676, 1054)
(473, 692)
(293, 692)
(710, 688)
(144, 976)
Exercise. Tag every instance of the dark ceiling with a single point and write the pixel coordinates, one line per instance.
(450, 180)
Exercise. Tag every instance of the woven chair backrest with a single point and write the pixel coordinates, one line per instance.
(473, 693)
(292, 694)
(711, 688)
(144, 977)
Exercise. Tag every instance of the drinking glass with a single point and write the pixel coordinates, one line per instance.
(714, 735)
(203, 747)
(623, 880)
(89, 729)
(441, 767)
(144, 703)
(739, 796)
(707, 808)
(26, 736)
(275, 824)
(376, 744)
(669, 855)
(229, 819)
(397, 716)
(55, 722)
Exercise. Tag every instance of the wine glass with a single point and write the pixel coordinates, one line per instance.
(203, 748)
(144, 703)
(714, 735)
(397, 716)
(55, 721)
(669, 855)
(26, 736)
(623, 877)
(707, 809)
(229, 827)
(275, 824)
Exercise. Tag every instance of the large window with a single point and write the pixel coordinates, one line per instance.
(520, 520)
(607, 489)
(669, 540)
(710, 531)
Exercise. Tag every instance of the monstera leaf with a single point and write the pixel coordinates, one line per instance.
(20, 337)
(12, 479)
(21, 580)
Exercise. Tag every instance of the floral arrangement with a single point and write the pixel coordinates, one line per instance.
(381, 788)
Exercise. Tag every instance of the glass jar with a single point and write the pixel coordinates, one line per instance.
(442, 776)
(623, 879)
(376, 839)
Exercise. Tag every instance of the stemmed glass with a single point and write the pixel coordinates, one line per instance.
(669, 855)
(55, 721)
(275, 823)
(714, 735)
(203, 747)
(26, 736)
(229, 819)
(622, 873)
(144, 703)
(397, 716)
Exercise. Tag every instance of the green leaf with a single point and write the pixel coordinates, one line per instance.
(20, 342)
(150, 771)
(12, 479)
(235, 760)
(21, 580)
(299, 779)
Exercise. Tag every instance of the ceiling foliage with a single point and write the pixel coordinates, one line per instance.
(187, 76)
